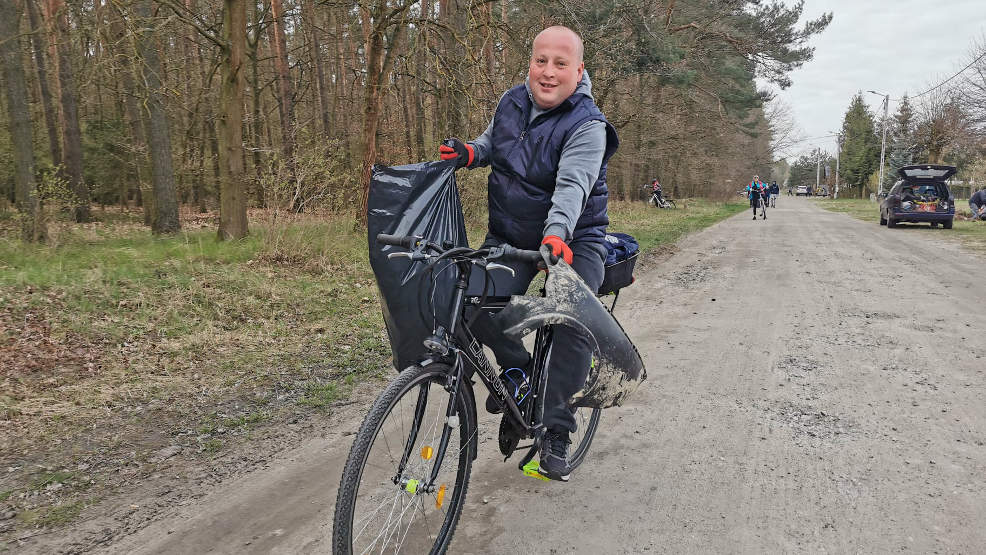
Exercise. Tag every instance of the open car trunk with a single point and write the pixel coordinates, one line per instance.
(924, 197)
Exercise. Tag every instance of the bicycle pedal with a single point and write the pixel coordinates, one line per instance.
(533, 469)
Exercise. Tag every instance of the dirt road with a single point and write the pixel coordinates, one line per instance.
(816, 383)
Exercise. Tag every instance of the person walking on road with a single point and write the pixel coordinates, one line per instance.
(754, 192)
(977, 205)
(547, 147)
(774, 192)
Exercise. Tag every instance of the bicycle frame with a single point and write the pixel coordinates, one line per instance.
(467, 349)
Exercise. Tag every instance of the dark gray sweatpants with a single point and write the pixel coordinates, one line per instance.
(571, 353)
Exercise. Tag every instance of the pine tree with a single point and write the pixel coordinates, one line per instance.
(860, 154)
(902, 143)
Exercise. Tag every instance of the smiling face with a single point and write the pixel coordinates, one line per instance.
(556, 66)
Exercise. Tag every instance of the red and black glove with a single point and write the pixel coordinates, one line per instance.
(558, 247)
(454, 149)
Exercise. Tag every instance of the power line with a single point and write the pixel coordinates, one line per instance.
(983, 55)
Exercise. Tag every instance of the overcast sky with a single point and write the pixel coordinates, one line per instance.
(890, 46)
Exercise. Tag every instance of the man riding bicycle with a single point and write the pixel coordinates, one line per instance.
(547, 146)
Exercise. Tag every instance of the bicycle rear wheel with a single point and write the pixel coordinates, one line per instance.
(587, 420)
(383, 508)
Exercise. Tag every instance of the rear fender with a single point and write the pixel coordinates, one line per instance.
(618, 368)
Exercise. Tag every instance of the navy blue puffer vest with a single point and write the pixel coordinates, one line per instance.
(524, 161)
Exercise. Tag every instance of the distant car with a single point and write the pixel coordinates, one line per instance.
(802, 190)
(921, 195)
(822, 192)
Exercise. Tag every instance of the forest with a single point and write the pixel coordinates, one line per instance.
(174, 107)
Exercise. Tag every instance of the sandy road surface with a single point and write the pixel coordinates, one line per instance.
(812, 388)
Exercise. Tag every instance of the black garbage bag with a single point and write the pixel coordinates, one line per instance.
(417, 199)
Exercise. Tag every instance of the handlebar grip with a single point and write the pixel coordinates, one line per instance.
(520, 255)
(396, 240)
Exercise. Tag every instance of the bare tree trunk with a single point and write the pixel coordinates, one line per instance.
(232, 201)
(51, 116)
(316, 54)
(285, 100)
(373, 49)
(378, 64)
(33, 226)
(256, 116)
(138, 145)
(165, 218)
(191, 181)
(71, 132)
(420, 58)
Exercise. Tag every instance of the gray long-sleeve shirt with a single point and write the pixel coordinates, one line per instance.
(578, 168)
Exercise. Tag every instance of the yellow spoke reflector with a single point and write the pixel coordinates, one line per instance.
(427, 452)
(440, 498)
(412, 486)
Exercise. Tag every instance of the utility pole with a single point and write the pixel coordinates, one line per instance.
(838, 151)
(818, 169)
(883, 143)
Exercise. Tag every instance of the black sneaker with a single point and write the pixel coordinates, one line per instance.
(554, 456)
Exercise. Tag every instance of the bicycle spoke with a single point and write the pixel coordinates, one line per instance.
(388, 511)
(392, 507)
(369, 518)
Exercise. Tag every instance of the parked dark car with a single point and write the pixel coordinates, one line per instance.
(920, 195)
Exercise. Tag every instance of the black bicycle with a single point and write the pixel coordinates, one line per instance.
(405, 481)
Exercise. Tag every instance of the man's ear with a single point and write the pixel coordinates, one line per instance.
(581, 69)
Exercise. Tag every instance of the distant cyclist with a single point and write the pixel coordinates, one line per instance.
(658, 191)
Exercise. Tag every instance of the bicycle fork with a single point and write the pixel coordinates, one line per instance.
(452, 419)
(452, 423)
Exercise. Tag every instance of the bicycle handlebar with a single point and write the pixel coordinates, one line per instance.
(406, 241)
(506, 252)
(520, 255)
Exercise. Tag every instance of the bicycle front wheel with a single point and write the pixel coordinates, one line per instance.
(385, 503)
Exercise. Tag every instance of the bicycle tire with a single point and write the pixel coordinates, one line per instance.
(408, 381)
(578, 454)
(673, 205)
(580, 445)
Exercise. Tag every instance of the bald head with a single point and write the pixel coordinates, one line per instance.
(556, 66)
(564, 37)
